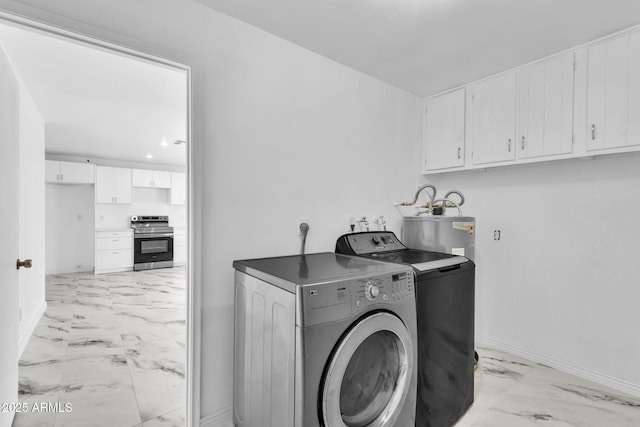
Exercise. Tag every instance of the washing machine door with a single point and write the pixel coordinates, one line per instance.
(369, 376)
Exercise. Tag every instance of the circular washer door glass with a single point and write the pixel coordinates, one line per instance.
(369, 375)
(370, 379)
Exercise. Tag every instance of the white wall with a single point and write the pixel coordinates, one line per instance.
(561, 286)
(69, 231)
(279, 133)
(31, 211)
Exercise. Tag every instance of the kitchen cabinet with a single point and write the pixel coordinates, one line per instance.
(443, 141)
(113, 185)
(545, 107)
(150, 178)
(57, 172)
(493, 119)
(179, 246)
(114, 251)
(178, 194)
(613, 100)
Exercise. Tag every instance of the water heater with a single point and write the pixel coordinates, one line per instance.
(449, 234)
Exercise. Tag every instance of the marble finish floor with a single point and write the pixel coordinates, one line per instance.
(514, 392)
(113, 347)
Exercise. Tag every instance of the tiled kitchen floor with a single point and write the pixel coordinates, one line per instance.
(113, 346)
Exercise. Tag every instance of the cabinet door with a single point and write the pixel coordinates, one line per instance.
(105, 185)
(123, 185)
(493, 119)
(178, 188)
(161, 179)
(614, 93)
(142, 178)
(443, 144)
(113, 185)
(51, 171)
(545, 108)
(76, 173)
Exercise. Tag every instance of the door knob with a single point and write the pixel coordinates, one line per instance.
(27, 263)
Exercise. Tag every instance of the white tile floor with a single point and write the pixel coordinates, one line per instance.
(514, 392)
(113, 346)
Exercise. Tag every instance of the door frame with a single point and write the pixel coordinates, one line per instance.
(193, 305)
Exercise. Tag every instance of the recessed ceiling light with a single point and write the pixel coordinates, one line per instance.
(164, 142)
(149, 156)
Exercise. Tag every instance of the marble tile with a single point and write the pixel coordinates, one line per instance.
(512, 392)
(104, 346)
(172, 419)
(158, 376)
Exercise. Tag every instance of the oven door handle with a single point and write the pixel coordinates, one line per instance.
(147, 236)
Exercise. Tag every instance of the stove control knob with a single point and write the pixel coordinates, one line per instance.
(376, 240)
(371, 291)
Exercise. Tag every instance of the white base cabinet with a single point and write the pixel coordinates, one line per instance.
(179, 246)
(114, 251)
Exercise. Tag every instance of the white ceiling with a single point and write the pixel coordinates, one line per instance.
(428, 46)
(98, 104)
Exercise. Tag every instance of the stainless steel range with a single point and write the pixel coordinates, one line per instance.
(152, 242)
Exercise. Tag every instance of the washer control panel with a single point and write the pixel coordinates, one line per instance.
(392, 288)
(326, 302)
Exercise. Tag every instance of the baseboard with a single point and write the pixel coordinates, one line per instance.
(221, 418)
(24, 340)
(563, 365)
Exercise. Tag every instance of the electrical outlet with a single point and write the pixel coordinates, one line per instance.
(300, 221)
(497, 235)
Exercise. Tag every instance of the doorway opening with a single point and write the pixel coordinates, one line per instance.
(108, 139)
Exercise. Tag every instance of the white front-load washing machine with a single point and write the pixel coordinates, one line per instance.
(324, 340)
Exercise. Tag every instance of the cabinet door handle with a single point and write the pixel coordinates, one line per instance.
(459, 153)
(509, 145)
(523, 142)
(61, 177)
(593, 132)
(58, 177)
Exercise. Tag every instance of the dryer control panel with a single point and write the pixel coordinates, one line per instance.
(369, 242)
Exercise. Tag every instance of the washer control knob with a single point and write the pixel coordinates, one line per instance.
(371, 291)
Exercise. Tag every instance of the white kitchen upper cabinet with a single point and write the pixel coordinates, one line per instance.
(613, 101)
(178, 194)
(68, 172)
(113, 185)
(493, 119)
(150, 178)
(444, 124)
(545, 107)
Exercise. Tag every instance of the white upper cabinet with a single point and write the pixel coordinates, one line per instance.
(493, 119)
(113, 185)
(68, 172)
(149, 178)
(178, 194)
(545, 107)
(613, 100)
(443, 141)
